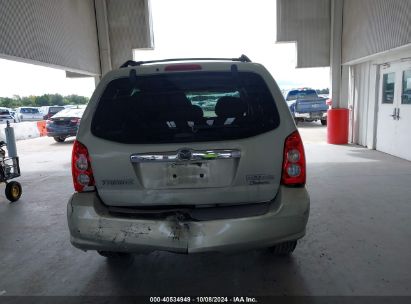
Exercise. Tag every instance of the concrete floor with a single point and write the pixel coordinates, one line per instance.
(357, 242)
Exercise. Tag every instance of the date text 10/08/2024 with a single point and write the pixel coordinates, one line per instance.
(203, 300)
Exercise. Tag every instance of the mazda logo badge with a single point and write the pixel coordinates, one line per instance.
(184, 154)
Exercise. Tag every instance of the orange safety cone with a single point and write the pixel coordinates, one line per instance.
(41, 125)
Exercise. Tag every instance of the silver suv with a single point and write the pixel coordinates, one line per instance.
(191, 156)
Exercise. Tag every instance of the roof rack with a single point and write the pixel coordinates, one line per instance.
(129, 63)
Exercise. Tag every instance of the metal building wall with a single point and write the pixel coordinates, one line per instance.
(374, 32)
(53, 33)
(373, 26)
(129, 28)
(308, 24)
(364, 94)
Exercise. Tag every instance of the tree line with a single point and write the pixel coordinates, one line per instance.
(43, 100)
(323, 91)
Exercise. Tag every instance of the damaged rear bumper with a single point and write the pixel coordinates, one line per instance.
(92, 227)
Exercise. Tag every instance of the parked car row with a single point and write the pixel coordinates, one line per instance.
(30, 113)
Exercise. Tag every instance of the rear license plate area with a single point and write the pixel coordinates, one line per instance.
(190, 174)
(316, 114)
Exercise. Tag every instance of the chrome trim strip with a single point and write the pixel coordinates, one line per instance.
(185, 155)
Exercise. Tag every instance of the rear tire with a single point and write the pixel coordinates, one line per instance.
(324, 122)
(285, 248)
(114, 255)
(59, 139)
(13, 191)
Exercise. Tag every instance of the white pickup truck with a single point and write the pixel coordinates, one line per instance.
(28, 114)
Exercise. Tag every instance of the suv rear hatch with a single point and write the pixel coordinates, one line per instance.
(186, 138)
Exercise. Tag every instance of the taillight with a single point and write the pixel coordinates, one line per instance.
(75, 120)
(294, 170)
(81, 171)
(329, 102)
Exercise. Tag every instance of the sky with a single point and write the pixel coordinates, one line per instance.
(23, 79)
(187, 28)
(228, 28)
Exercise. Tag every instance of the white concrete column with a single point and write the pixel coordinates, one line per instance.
(338, 116)
(335, 51)
(103, 36)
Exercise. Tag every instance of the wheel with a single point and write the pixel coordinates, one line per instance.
(113, 254)
(324, 122)
(13, 191)
(285, 248)
(59, 139)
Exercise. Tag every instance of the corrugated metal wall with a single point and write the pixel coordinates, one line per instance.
(373, 26)
(307, 23)
(55, 33)
(129, 28)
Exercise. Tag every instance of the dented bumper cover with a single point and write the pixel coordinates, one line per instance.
(92, 227)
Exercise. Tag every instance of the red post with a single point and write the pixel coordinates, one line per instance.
(337, 126)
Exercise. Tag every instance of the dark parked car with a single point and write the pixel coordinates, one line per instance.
(64, 124)
(50, 111)
(5, 116)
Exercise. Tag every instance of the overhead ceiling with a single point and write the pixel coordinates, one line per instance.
(84, 37)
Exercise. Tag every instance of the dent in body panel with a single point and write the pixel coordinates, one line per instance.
(172, 228)
(178, 232)
(93, 228)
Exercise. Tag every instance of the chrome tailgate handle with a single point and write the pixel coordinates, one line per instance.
(185, 155)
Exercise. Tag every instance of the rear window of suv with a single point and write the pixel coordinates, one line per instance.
(185, 107)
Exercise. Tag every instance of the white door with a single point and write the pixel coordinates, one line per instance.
(394, 114)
